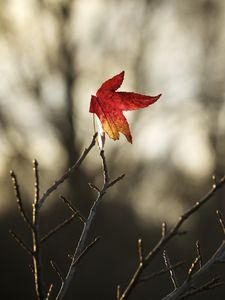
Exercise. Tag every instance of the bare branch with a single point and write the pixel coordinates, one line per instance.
(19, 199)
(20, 242)
(169, 235)
(81, 249)
(217, 257)
(59, 181)
(73, 209)
(169, 266)
(57, 228)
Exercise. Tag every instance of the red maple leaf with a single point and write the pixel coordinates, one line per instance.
(109, 105)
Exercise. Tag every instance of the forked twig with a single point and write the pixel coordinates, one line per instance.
(165, 238)
(81, 249)
(217, 257)
(73, 209)
(66, 175)
(34, 223)
(161, 272)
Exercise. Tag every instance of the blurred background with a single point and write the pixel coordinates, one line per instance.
(54, 54)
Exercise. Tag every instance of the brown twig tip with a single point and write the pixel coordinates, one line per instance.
(35, 163)
(140, 250)
(36, 181)
(214, 181)
(164, 229)
(118, 292)
(111, 183)
(221, 220)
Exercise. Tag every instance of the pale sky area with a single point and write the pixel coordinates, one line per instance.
(160, 54)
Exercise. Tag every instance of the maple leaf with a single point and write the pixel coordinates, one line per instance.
(109, 105)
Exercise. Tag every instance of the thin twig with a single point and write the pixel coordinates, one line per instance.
(199, 254)
(73, 209)
(164, 240)
(161, 272)
(57, 228)
(56, 269)
(193, 267)
(37, 265)
(19, 199)
(87, 248)
(94, 187)
(59, 181)
(217, 257)
(105, 169)
(49, 292)
(221, 220)
(140, 250)
(36, 181)
(20, 242)
(169, 266)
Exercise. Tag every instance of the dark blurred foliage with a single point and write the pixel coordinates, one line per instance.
(41, 115)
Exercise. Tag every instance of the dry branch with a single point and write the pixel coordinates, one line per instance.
(165, 238)
(190, 282)
(34, 223)
(66, 175)
(171, 272)
(81, 249)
